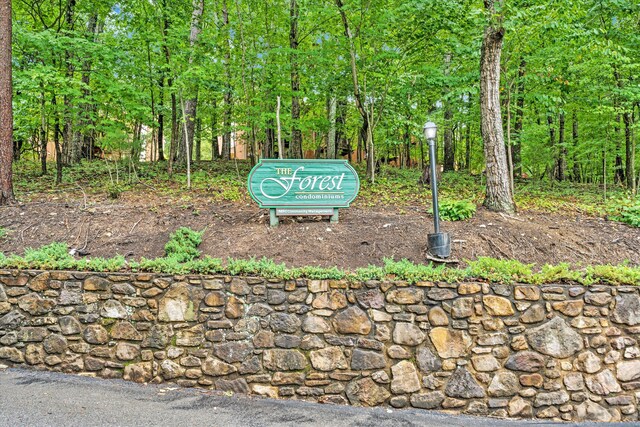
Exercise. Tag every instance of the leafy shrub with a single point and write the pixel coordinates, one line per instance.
(183, 245)
(629, 215)
(456, 210)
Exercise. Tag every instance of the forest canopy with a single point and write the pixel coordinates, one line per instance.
(338, 78)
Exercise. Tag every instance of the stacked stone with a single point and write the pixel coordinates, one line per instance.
(559, 352)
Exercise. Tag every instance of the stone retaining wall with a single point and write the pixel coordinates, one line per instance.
(561, 352)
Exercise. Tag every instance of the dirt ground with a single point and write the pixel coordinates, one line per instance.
(139, 225)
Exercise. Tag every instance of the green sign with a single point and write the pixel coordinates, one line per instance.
(303, 184)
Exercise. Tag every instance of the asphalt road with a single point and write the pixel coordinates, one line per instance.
(31, 398)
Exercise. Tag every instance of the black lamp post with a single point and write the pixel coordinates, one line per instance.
(438, 244)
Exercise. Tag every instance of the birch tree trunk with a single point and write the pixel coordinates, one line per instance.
(498, 195)
(331, 136)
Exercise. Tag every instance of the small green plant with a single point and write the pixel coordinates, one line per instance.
(500, 270)
(629, 215)
(3, 233)
(102, 264)
(183, 245)
(456, 210)
(114, 191)
(54, 255)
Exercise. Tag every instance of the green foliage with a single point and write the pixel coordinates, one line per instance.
(183, 245)
(372, 272)
(559, 273)
(413, 273)
(456, 210)
(114, 190)
(612, 274)
(3, 233)
(629, 214)
(499, 270)
(116, 263)
(56, 257)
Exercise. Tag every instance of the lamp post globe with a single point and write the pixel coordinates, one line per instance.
(430, 130)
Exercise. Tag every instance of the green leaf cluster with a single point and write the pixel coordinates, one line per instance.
(183, 245)
(629, 215)
(456, 210)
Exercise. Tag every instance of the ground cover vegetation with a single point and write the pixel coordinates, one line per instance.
(182, 257)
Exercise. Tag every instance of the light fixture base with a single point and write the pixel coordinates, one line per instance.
(439, 245)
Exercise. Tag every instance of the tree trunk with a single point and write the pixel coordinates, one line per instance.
(6, 111)
(509, 152)
(618, 168)
(83, 135)
(562, 150)
(153, 144)
(174, 107)
(198, 137)
(226, 136)
(215, 149)
(576, 163)
(517, 143)
(407, 145)
(43, 132)
(467, 154)
(71, 150)
(280, 144)
(630, 153)
(173, 149)
(366, 131)
(56, 140)
(191, 104)
(295, 149)
(270, 140)
(331, 135)
(161, 119)
(343, 146)
(449, 151)
(161, 116)
(498, 196)
(553, 145)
